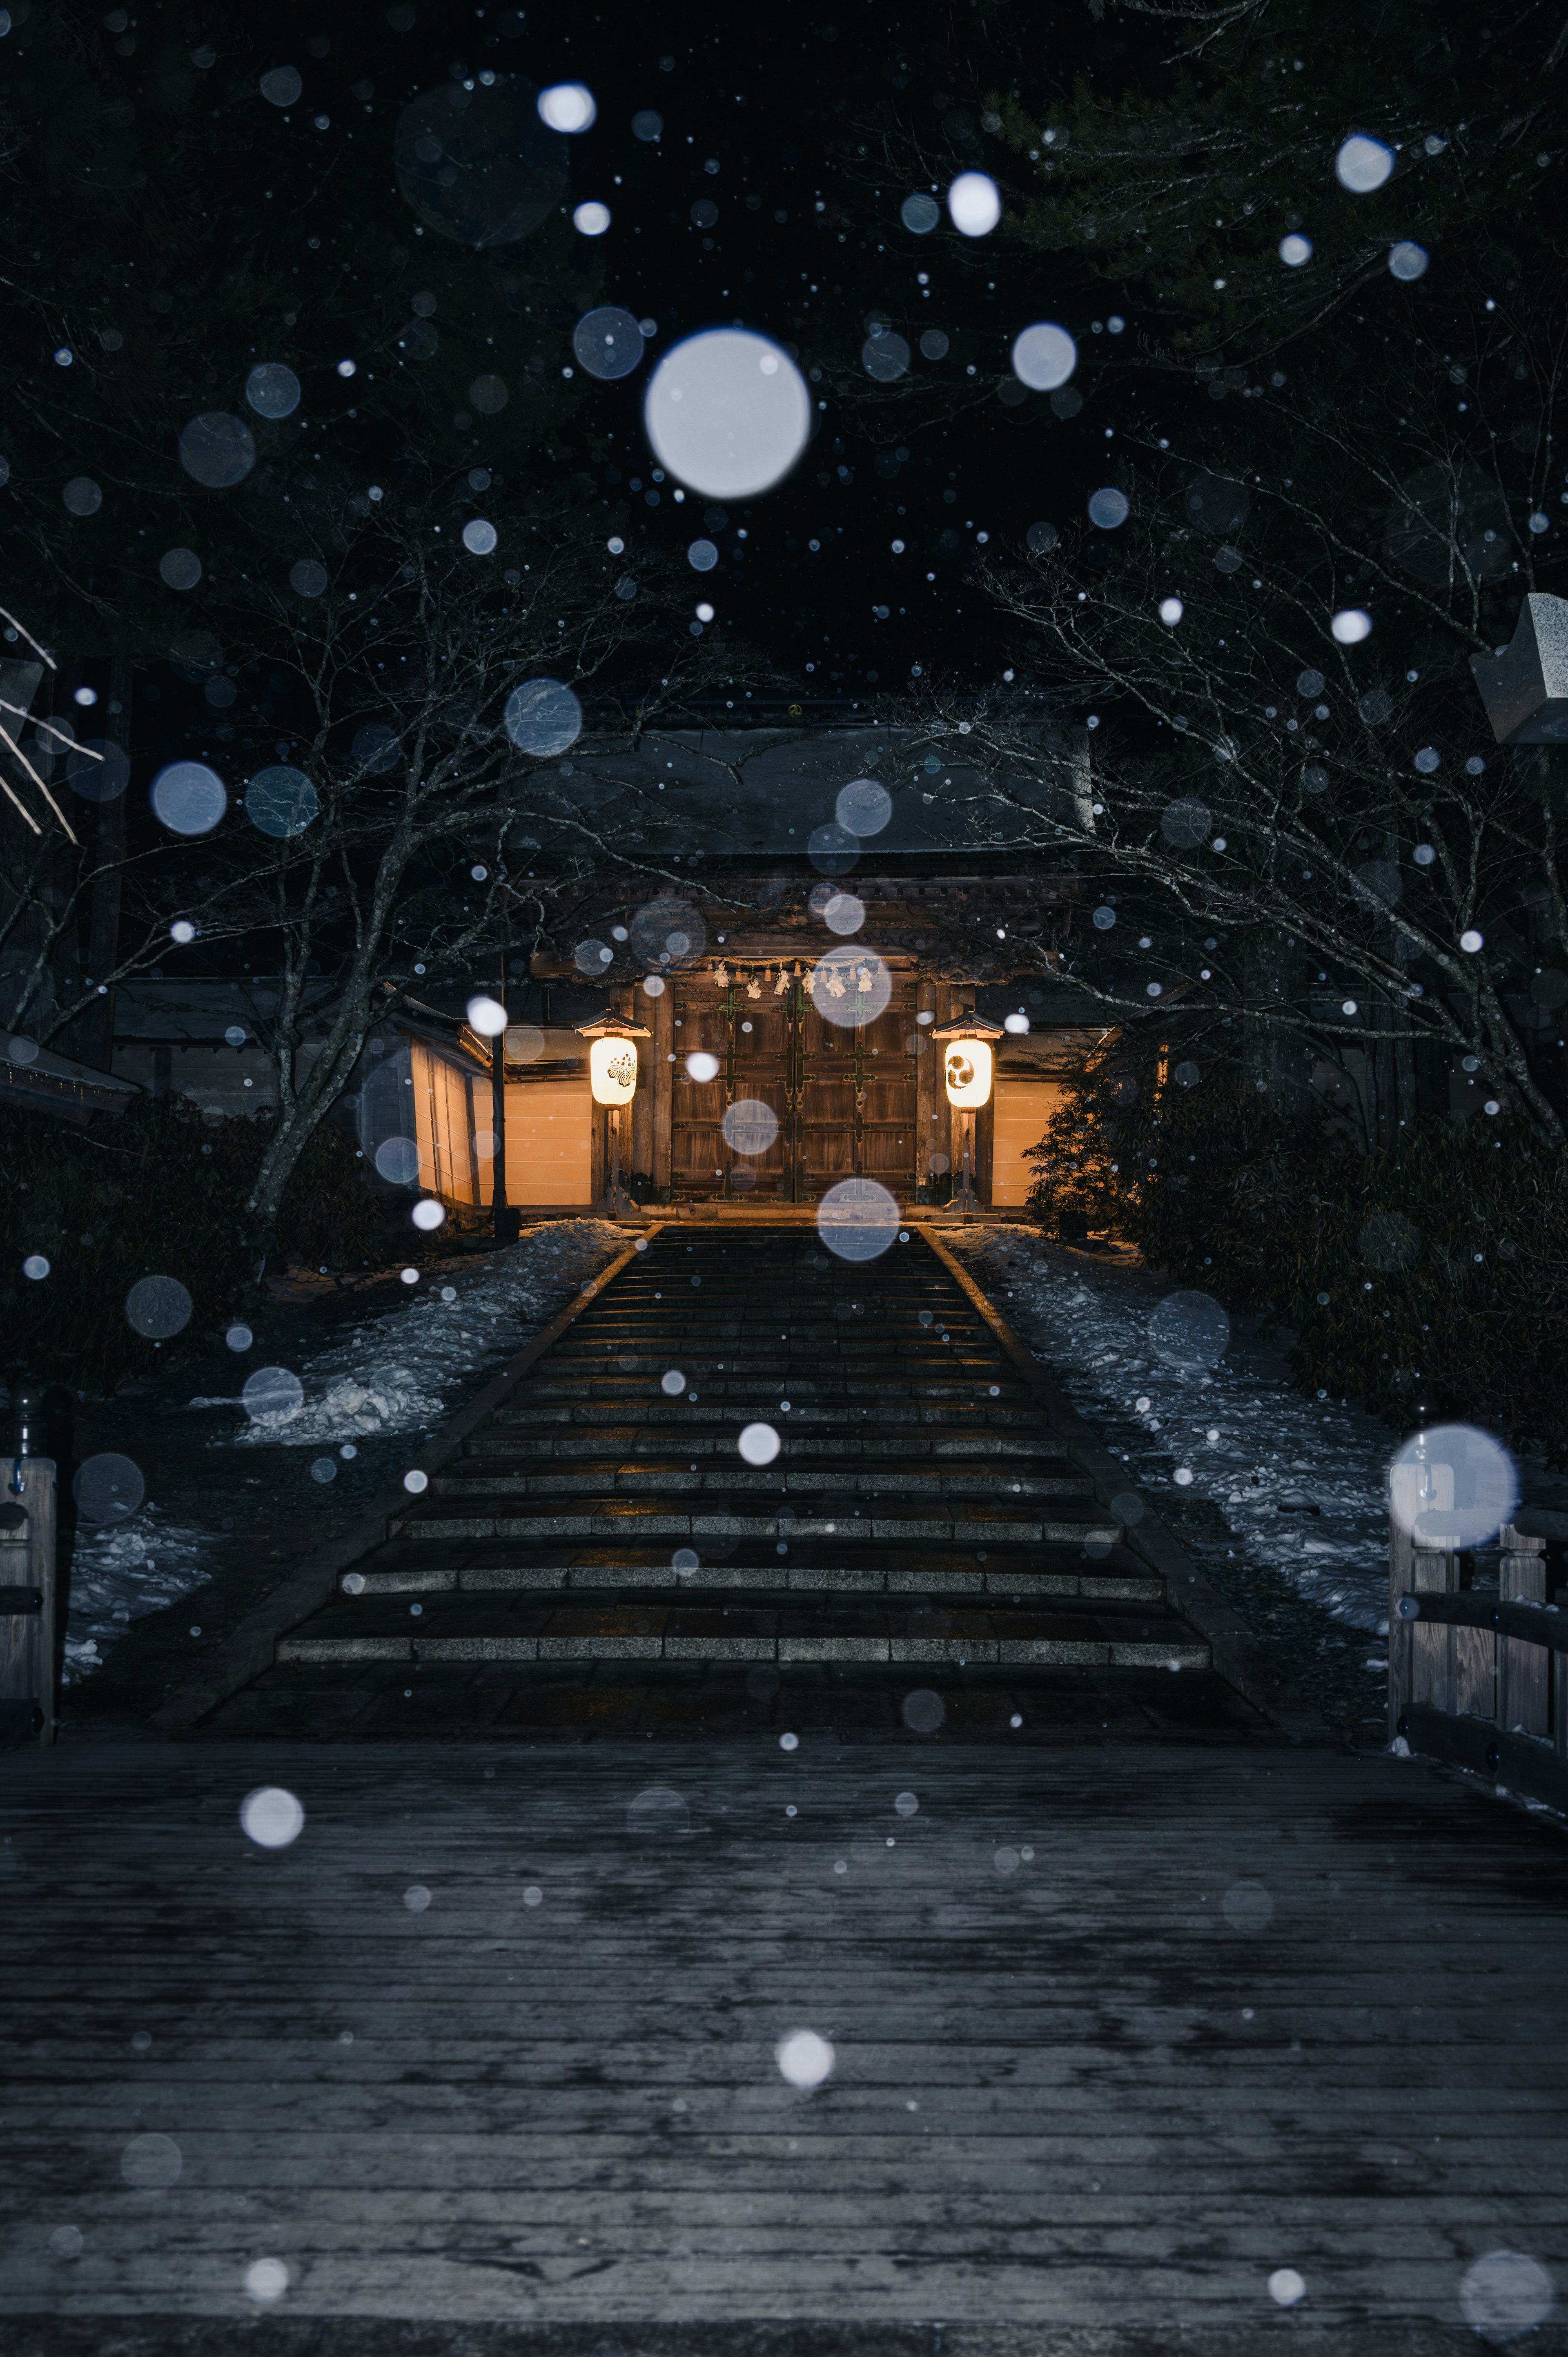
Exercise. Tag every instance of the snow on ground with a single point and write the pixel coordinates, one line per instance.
(120, 1572)
(402, 1371)
(1237, 1432)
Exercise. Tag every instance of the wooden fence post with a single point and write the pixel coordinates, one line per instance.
(1434, 1657)
(1425, 1664)
(1523, 1670)
(28, 1522)
(1403, 1498)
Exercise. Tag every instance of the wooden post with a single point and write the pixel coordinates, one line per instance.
(927, 1085)
(1433, 1660)
(663, 1090)
(504, 1220)
(642, 1111)
(27, 1526)
(1523, 1670)
(1474, 1666)
(1402, 1495)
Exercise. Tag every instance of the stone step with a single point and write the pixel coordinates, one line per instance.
(726, 1473)
(962, 1522)
(916, 1576)
(474, 1629)
(646, 1406)
(810, 1441)
(963, 1390)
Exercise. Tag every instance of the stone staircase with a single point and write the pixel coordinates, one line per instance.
(601, 1557)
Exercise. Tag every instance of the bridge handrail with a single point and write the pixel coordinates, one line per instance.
(1479, 1675)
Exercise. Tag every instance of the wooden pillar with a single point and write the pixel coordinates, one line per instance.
(984, 1140)
(637, 1135)
(662, 1093)
(1523, 1670)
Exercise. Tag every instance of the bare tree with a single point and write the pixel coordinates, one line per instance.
(1315, 830)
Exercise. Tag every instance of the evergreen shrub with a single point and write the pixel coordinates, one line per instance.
(1427, 1280)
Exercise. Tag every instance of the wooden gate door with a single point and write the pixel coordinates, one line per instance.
(755, 1042)
(857, 1097)
(842, 1094)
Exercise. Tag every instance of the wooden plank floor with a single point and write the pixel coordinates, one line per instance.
(1118, 2035)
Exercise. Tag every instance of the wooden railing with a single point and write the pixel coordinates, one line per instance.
(1479, 1675)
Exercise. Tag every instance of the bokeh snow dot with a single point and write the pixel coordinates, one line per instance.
(280, 801)
(479, 536)
(544, 718)
(152, 2163)
(157, 1306)
(864, 806)
(567, 106)
(851, 986)
(1044, 356)
(974, 204)
(1363, 163)
(1407, 260)
(266, 2280)
(608, 341)
(1285, 2287)
(271, 1816)
(179, 568)
(1189, 1330)
(1453, 1486)
(397, 1159)
(216, 449)
(884, 356)
(591, 219)
(857, 1220)
(188, 797)
(804, 2057)
(728, 413)
(1351, 624)
(1108, 508)
(750, 1126)
(271, 1395)
(919, 213)
(1295, 250)
(108, 1488)
(272, 390)
(1505, 2295)
(758, 1444)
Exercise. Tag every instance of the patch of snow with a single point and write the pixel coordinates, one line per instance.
(1276, 1450)
(119, 1573)
(401, 1371)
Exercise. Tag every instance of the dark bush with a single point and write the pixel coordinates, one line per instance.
(158, 1191)
(1427, 1279)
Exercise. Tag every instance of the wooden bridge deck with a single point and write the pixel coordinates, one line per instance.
(1119, 2034)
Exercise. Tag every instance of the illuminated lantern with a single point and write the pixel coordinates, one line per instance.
(966, 1068)
(612, 1071)
(612, 1078)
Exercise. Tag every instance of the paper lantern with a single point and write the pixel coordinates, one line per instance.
(966, 1069)
(612, 1071)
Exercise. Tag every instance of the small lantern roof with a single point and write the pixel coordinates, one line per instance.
(970, 1026)
(610, 1027)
